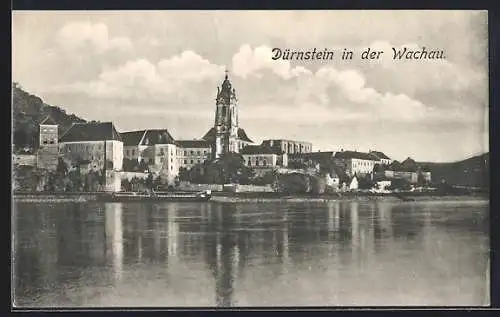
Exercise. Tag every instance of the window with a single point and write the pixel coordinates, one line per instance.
(186, 153)
(249, 162)
(171, 160)
(264, 163)
(162, 152)
(205, 152)
(198, 153)
(171, 167)
(52, 141)
(44, 141)
(199, 161)
(192, 161)
(257, 162)
(128, 151)
(133, 152)
(185, 161)
(192, 152)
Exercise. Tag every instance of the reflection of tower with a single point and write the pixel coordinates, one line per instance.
(173, 231)
(354, 228)
(221, 252)
(333, 221)
(114, 236)
(226, 120)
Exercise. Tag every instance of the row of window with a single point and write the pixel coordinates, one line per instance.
(51, 141)
(362, 163)
(191, 153)
(162, 152)
(257, 163)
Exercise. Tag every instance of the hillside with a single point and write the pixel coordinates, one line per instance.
(473, 171)
(27, 112)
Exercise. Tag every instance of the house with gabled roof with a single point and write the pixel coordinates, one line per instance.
(154, 148)
(355, 162)
(93, 144)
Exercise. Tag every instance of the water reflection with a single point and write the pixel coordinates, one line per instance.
(338, 253)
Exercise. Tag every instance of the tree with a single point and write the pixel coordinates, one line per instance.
(399, 184)
(294, 183)
(62, 167)
(365, 182)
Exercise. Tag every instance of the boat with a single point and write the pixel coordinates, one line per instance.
(156, 196)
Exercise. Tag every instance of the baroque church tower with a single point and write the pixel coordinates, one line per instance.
(226, 120)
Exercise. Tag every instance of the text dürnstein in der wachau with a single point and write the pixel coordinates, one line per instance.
(402, 53)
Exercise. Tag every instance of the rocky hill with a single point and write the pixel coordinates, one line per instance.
(28, 111)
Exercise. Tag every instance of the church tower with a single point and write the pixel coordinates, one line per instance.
(226, 119)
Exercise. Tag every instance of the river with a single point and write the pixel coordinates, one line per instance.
(345, 253)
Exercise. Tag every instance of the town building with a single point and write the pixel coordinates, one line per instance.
(48, 147)
(263, 158)
(226, 135)
(407, 170)
(193, 152)
(289, 146)
(154, 150)
(384, 159)
(356, 163)
(85, 143)
(95, 147)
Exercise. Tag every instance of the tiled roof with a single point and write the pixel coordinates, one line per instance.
(259, 149)
(131, 138)
(380, 155)
(193, 143)
(210, 135)
(157, 136)
(356, 155)
(312, 155)
(91, 132)
(48, 121)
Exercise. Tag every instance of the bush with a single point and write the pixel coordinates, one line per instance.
(294, 183)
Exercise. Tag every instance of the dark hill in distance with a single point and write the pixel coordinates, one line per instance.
(474, 171)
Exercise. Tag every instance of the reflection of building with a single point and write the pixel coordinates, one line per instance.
(288, 146)
(114, 236)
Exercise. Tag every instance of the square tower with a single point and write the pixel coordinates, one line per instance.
(48, 147)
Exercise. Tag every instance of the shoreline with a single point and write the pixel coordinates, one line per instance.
(254, 198)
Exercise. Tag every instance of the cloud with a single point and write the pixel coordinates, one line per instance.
(141, 79)
(248, 61)
(76, 35)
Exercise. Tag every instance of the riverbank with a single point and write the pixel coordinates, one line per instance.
(260, 197)
(361, 198)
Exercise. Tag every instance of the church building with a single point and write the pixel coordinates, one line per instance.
(226, 136)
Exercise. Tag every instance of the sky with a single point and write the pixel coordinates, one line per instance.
(161, 69)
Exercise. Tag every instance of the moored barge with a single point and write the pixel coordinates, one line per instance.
(156, 196)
